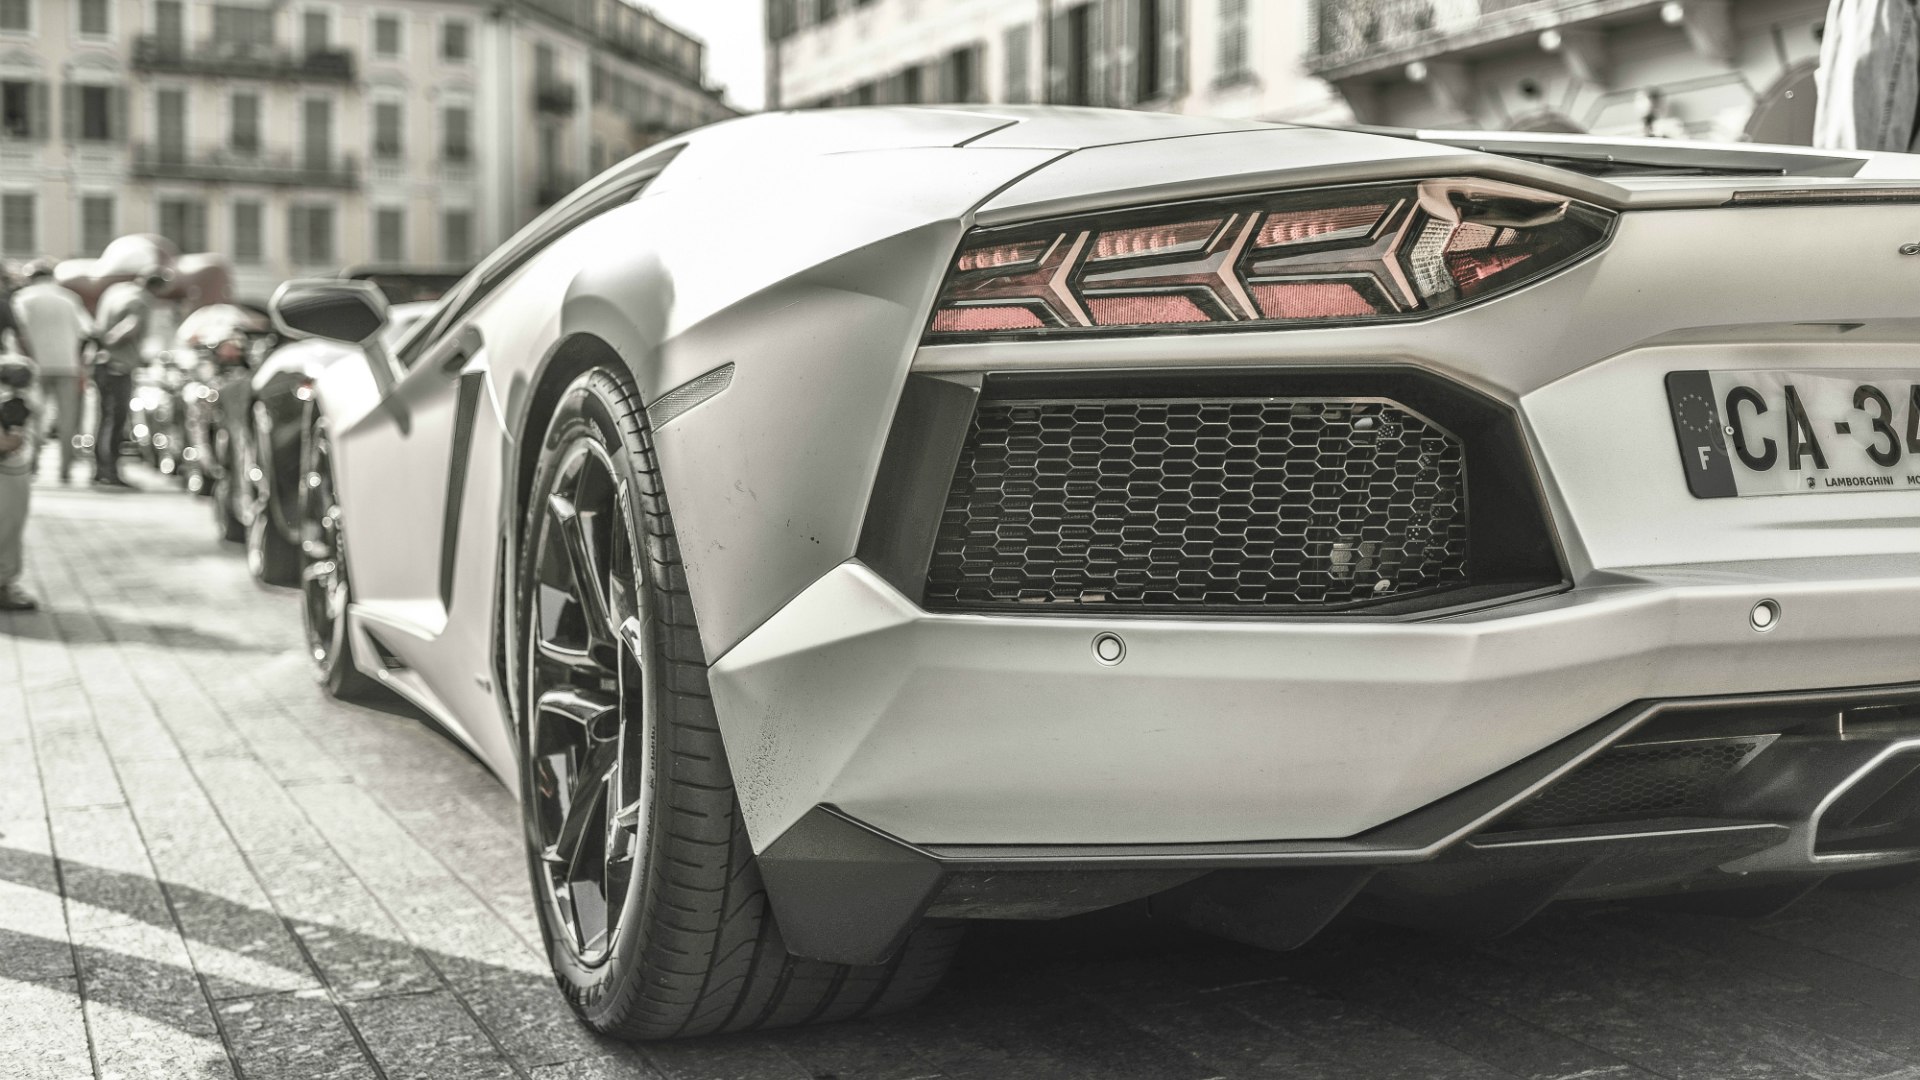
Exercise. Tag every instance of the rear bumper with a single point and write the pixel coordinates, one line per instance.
(1832, 784)
(980, 730)
(894, 764)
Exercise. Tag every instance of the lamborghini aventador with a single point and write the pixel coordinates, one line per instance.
(838, 526)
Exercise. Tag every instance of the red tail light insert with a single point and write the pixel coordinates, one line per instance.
(1327, 256)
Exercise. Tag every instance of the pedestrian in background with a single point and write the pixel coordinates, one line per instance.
(19, 444)
(1869, 77)
(7, 326)
(126, 316)
(54, 326)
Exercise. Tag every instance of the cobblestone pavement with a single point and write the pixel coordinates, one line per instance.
(209, 870)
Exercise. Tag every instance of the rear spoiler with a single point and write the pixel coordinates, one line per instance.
(1594, 155)
(1597, 156)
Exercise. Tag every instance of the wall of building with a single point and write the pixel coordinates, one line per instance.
(1710, 79)
(1195, 56)
(530, 138)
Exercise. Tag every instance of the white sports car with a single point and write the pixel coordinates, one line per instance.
(841, 525)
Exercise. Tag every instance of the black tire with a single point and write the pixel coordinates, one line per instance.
(325, 587)
(272, 559)
(227, 522)
(686, 942)
(1905, 875)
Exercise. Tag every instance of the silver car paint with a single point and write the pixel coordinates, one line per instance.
(805, 250)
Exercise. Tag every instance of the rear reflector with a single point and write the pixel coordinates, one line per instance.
(974, 320)
(1143, 310)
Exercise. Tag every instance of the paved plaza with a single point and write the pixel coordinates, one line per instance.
(208, 869)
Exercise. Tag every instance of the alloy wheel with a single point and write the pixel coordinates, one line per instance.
(589, 737)
(323, 574)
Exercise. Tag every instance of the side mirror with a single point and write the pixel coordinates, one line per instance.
(350, 312)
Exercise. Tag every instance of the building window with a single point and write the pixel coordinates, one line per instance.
(170, 25)
(16, 15)
(456, 236)
(93, 112)
(386, 130)
(960, 75)
(456, 135)
(170, 123)
(184, 221)
(315, 36)
(1232, 62)
(249, 232)
(18, 227)
(93, 18)
(23, 110)
(456, 41)
(96, 223)
(1070, 57)
(1019, 64)
(386, 35)
(239, 26)
(243, 123)
(310, 235)
(316, 146)
(390, 235)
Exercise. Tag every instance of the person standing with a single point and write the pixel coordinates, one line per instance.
(126, 316)
(53, 325)
(19, 445)
(1869, 77)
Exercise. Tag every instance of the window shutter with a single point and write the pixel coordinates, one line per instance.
(1170, 37)
(1058, 43)
(117, 114)
(69, 112)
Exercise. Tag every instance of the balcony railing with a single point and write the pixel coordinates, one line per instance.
(224, 166)
(1349, 33)
(554, 97)
(241, 60)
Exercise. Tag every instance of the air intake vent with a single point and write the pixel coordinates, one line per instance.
(1223, 505)
(1647, 780)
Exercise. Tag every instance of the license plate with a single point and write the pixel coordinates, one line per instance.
(1795, 432)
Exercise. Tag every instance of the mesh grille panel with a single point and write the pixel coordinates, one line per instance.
(1235, 505)
(1657, 780)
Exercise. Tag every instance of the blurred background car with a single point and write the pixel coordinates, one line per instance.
(267, 416)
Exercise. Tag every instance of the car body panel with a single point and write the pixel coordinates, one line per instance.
(805, 251)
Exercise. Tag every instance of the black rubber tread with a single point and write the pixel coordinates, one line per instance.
(707, 956)
(227, 524)
(272, 559)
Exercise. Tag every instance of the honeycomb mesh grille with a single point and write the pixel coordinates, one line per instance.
(1656, 780)
(1219, 505)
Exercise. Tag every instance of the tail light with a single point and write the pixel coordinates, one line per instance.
(1353, 254)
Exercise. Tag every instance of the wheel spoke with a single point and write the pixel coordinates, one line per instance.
(590, 588)
(578, 666)
(597, 713)
(589, 794)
